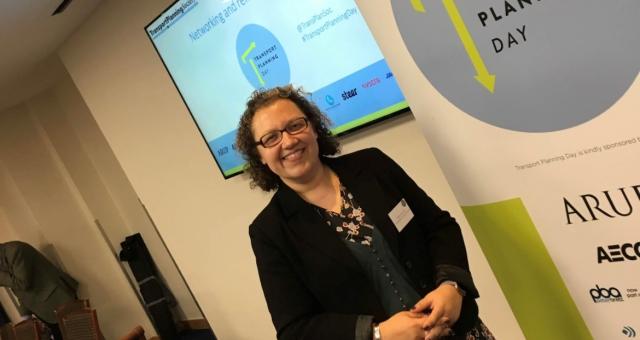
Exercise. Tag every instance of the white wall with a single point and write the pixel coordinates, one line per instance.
(19, 89)
(105, 187)
(203, 218)
(73, 139)
(44, 207)
(15, 211)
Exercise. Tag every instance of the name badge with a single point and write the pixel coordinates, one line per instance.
(401, 215)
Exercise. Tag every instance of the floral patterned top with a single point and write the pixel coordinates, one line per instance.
(351, 223)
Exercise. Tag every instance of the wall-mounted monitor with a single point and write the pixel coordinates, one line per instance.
(219, 51)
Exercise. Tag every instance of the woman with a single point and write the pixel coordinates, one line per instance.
(349, 247)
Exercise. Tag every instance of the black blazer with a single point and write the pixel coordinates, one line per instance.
(315, 288)
(38, 284)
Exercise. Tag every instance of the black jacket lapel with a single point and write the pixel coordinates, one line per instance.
(307, 224)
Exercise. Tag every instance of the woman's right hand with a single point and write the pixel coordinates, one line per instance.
(403, 326)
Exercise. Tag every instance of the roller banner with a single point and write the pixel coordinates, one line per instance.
(532, 110)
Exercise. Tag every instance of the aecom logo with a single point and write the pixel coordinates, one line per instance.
(619, 252)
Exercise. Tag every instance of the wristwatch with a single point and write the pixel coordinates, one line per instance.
(376, 332)
(455, 285)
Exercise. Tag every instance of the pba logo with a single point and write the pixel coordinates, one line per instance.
(619, 252)
(611, 294)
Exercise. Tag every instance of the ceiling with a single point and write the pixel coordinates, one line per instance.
(29, 34)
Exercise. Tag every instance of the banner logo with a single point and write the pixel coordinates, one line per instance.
(619, 252)
(609, 204)
(611, 294)
(629, 332)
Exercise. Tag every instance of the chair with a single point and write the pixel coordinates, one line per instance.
(30, 329)
(81, 325)
(137, 333)
(69, 307)
(7, 332)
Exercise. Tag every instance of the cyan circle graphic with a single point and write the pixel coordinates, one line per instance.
(557, 64)
(262, 58)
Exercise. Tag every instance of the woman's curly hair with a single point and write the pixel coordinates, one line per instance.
(261, 175)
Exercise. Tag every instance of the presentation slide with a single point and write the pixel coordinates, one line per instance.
(219, 52)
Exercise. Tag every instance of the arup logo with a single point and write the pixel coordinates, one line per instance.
(329, 100)
(629, 332)
(611, 294)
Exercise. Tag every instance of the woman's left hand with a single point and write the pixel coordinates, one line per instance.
(443, 305)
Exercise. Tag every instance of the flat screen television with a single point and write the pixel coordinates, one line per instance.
(219, 51)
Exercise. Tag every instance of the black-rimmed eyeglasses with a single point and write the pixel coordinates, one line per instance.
(273, 138)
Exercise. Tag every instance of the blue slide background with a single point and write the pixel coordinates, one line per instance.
(214, 51)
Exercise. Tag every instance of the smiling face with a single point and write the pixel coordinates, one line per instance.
(296, 158)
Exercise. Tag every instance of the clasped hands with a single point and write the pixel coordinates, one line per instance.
(431, 318)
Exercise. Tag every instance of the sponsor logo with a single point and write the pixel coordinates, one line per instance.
(606, 204)
(629, 332)
(371, 83)
(619, 252)
(611, 294)
(349, 94)
(329, 100)
(389, 75)
(223, 151)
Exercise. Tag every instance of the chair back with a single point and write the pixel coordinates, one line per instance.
(69, 307)
(137, 333)
(7, 332)
(81, 325)
(30, 329)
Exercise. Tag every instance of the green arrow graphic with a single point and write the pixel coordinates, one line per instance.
(255, 70)
(483, 76)
(252, 45)
(418, 6)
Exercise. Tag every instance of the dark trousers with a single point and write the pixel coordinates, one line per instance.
(4, 319)
(55, 330)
